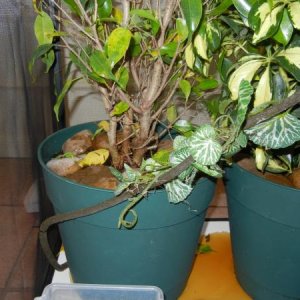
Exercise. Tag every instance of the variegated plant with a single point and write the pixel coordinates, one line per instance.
(239, 57)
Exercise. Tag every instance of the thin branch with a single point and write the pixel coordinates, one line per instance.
(126, 9)
(80, 28)
(75, 53)
(127, 99)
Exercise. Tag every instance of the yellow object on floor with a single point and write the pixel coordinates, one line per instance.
(212, 277)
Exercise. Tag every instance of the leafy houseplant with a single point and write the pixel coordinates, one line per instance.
(241, 57)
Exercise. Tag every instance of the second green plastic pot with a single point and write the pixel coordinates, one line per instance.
(265, 234)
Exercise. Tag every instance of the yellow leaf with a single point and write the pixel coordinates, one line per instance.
(104, 125)
(118, 15)
(245, 72)
(263, 92)
(190, 56)
(97, 157)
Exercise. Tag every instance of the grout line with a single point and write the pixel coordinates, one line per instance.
(14, 268)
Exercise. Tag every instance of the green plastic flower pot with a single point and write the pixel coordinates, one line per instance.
(265, 234)
(159, 251)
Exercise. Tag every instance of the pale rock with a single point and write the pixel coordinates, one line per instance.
(64, 166)
(78, 143)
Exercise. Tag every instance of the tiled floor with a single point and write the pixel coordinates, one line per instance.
(18, 231)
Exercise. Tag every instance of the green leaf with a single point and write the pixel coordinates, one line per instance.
(208, 84)
(122, 76)
(144, 13)
(43, 28)
(120, 108)
(135, 47)
(214, 171)
(48, 59)
(213, 35)
(269, 23)
(39, 52)
(224, 66)
(285, 30)
(169, 49)
(243, 6)
(182, 29)
(177, 191)
(289, 59)
(239, 142)
(234, 24)
(263, 91)
(101, 65)
(117, 44)
(185, 86)
(68, 84)
(245, 72)
(171, 113)
(203, 249)
(221, 8)
(245, 93)
(73, 6)
(192, 12)
(162, 156)
(204, 147)
(294, 12)
(279, 87)
(279, 132)
(104, 8)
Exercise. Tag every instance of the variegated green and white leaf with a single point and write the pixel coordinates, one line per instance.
(122, 186)
(201, 46)
(294, 12)
(177, 191)
(245, 93)
(131, 175)
(263, 91)
(204, 147)
(251, 56)
(178, 156)
(151, 165)
(269, 24)
(189, 56)
(245, 72)
(258, 13)
(205, 131)
(279, 132)
(213, 36)
(180, 142)
(214, 171)
(289, 59)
